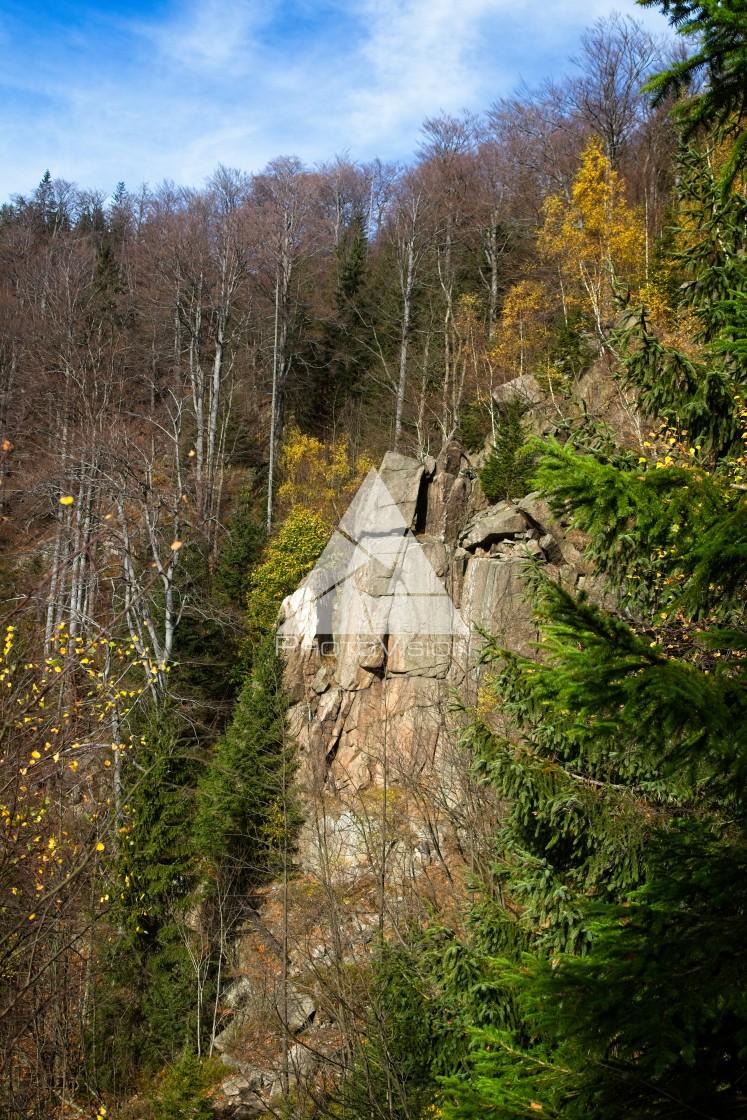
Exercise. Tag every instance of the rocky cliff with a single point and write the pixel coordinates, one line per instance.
(394, 821)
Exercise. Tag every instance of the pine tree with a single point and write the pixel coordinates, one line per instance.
(718, 65)
(621, 858)
(509, 466)
(145, 1007)
(247, 815)
(621, 752)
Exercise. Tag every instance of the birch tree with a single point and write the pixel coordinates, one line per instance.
(409, 247)
(283, 199)
(449, 176)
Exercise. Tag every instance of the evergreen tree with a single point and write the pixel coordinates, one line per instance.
(338, 349)
(509, 466)
(183, 1093)
(145, 1010)
(622, 755)
(241, 551)
(718, 66)
(693, 387)
(47, 215)
(247, 814)
(426, 990)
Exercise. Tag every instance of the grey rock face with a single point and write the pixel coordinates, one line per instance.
(525, 389)
(448, 495)
(377, 734)
(402, 477)
(494, 598)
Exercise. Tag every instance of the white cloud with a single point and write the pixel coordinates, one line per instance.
(416, 60)
(214, 36)
(241, 81)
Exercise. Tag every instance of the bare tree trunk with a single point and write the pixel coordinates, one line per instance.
(274, 403)
(408, 281)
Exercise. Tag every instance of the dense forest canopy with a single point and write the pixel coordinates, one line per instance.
(193, 383)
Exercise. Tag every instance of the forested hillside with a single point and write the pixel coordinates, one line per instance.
(540, 326)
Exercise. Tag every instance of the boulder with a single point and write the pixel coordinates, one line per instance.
(496, 524)
(538, 511)
(238, 994)
(239, 1099)
(301, 1060)
(320, 682)
(232, 1034)
(296, 1010)
(525, 389)
(560, 545)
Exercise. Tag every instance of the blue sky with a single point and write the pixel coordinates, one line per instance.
(98, 90)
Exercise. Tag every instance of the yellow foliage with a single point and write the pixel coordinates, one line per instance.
(522, 332)
(468, 316)
(289, 556)
(45, 705)
(322, 478)
(595, 238)
(655, 299)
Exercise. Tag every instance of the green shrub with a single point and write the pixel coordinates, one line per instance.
(184, 1092)
(288, 558)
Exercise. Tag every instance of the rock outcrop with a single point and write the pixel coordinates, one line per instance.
(391, 808)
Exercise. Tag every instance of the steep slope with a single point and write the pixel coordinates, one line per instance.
(394, 821)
